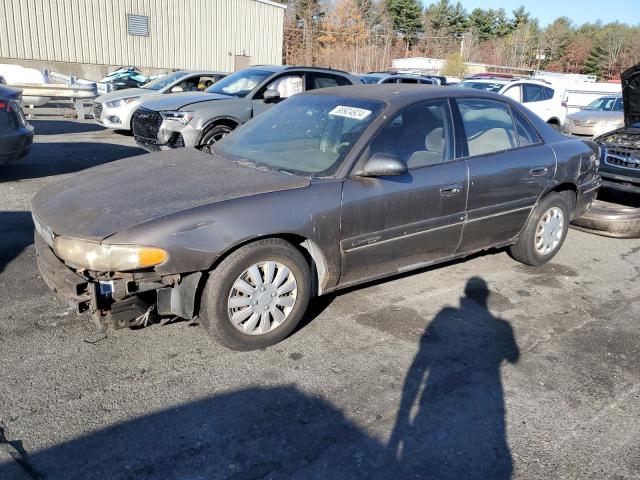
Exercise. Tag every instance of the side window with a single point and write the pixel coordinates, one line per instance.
(532, 93)
(189, 85)
(408, 80)
(324, 80)
(488, 126)
(426, 81)
(205, 82)
(287, 85)
(548, 93)
(390, 80)
(526, 133)
(421, 135)
(514, 92)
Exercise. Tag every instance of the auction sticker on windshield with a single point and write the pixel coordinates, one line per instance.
(350, 112)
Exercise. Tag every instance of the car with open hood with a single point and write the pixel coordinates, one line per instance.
(195, 120)
(114, 109)
(328, 189)
(620, 165)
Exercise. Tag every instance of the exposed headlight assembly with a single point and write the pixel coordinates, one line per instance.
(107, 258)
(178, 116)
(120, 102)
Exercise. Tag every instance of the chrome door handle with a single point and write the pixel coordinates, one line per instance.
(538, 171)
(451, 189)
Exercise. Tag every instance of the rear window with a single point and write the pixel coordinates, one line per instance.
(526, 133)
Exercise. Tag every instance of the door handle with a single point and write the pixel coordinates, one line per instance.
(451, 189)
(538, 171)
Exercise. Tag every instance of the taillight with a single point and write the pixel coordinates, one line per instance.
(564, 104)
(8, 106)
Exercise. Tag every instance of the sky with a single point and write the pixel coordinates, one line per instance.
(580, 11)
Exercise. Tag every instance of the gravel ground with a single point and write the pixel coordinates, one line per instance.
(481, 369)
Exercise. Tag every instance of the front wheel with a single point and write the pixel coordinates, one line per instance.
(544, 233)
(257, 295)
(213, 136)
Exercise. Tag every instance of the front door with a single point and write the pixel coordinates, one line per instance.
(509, 168)
(392, 224)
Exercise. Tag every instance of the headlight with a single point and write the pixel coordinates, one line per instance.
(178, 116)
(120, 102)
(107, 258)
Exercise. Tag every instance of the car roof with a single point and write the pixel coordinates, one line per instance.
(204, 72)
(282, 68)
(400, 94)
(8, 92)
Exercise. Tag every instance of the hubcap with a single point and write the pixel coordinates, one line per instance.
(549, 231)
(217, 137)
(262, 298)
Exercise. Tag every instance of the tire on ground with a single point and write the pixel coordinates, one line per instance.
(211, 133)
(524, 250)
(611, 220)
(214, 309)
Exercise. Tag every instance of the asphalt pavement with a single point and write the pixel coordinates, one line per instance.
(477, 369)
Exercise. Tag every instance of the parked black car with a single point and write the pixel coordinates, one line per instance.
(16, 134)
(620, 165)
(329, 189)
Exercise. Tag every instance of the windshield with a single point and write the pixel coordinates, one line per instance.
(160, 83)
(370, 79)
(605, 104)
(240, 83)
(307, 135)
(489, 86)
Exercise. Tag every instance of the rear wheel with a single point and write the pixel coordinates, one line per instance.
(545, 231)
(214, 135)
(257, 295)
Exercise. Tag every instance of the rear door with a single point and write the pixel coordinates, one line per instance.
(509, 168)
(391, 224)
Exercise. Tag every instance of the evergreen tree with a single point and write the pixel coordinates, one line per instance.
(446, 18)
(406, 16)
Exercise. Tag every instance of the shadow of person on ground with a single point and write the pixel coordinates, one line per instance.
(16, 234)
(451, 419)
(450, 424)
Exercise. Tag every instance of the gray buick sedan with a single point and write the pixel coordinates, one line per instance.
(324, 191)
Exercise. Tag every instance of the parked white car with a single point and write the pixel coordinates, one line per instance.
(539, 96)
(18, 75)
(114, 109)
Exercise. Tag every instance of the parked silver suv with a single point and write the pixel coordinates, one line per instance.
(201, 119)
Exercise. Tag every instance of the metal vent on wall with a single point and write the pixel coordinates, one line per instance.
(138, 25)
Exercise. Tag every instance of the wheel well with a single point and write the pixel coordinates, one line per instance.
(570, 191)
(228, 122)
(309, 249)
(554, 121)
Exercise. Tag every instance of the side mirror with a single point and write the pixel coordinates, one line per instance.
(177, 89)
(384, 165)
(271, 96)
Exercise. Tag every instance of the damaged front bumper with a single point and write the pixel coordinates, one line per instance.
(119, 299)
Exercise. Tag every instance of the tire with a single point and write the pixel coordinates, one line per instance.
(220, 289)
(610, 220)
(555, 125)
(525, 249)
(213, 135)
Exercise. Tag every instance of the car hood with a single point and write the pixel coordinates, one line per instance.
(126, 93)
(594, 115)
(107, 199)
(176, 101)
(631, 95)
